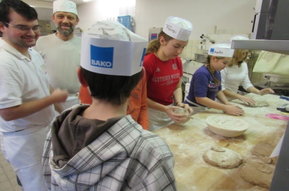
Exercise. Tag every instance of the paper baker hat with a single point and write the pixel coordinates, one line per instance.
(178, 28)
(222, 50)
(110, 48)
(64, 6)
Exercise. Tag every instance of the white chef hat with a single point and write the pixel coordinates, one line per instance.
(178, 28)
(110, 48)
(239, 37)
(222, 50)
(64, 6)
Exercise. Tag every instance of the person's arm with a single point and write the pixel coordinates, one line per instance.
(234, 95)
(58, 107)
(221, 96)
(31, 107)
(178, 97)
(168, 109)
(143, 115)
(229, 109)
(260, 92)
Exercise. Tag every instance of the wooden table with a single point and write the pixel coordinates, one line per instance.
(189, 142)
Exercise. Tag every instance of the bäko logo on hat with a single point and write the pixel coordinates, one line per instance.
(101, 56)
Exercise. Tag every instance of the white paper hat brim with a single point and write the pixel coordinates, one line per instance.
(221, 52)
(112, 57)
(177, 32)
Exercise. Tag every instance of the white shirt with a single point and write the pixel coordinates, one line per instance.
(235, 76)
(62, 58)
(1, 42)
(22, 80)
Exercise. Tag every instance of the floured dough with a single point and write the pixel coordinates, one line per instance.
(257, 172)
(222, 157)
(260, 104)
(263, 151)
(227, 122)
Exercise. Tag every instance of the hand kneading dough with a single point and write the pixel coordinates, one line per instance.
(222, 157)
(257, 172)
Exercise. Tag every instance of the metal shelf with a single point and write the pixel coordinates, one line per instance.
(279, 46)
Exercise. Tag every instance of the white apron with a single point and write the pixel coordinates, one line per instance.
(158, 119)
(23, 150)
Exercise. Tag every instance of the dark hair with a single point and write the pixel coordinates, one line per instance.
(154, 45)
(19, 7)
(211, 70)
(113, 89)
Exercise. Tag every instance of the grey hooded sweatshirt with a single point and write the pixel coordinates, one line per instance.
(117, 154)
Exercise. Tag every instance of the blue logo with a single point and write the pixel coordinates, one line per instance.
(101, 57)
(212, 50)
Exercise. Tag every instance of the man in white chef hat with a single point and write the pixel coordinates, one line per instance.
(205, 85)
(99, 145)
(61, 50)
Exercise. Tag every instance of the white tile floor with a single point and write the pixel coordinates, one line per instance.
(7, 176)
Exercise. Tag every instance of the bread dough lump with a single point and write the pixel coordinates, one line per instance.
(257, 172)
(260, 104)
(222, 157)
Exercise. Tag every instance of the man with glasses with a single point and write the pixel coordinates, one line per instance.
(26, 105)
(61, 51)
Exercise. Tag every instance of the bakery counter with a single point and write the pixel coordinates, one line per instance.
(190, 141)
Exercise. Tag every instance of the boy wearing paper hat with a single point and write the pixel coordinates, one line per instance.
(164, 73)
(98, 146)
(236, 74)
(61, 50)
(206, 82)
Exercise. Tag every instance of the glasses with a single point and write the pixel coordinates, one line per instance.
(24, 28)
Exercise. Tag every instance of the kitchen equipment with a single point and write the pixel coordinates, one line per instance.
(227, 126)
(202, 58)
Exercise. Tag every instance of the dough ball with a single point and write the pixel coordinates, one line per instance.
(260, 104)
(222, 157)
(257, 172)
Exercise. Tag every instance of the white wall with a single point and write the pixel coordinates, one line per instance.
(97, 10)
(207, 16)
(219, 19)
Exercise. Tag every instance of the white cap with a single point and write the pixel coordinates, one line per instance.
(110, 48)
(64, 6)
(178, 28)
(239, 37)
(222, 50)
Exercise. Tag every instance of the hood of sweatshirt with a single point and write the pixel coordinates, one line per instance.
(86, 150)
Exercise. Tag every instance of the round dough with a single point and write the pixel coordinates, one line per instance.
(257, 172)
(222, 157)
(260, 104)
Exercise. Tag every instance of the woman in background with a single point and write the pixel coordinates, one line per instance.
(164, 72)
(206, 82)
(236, 74)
